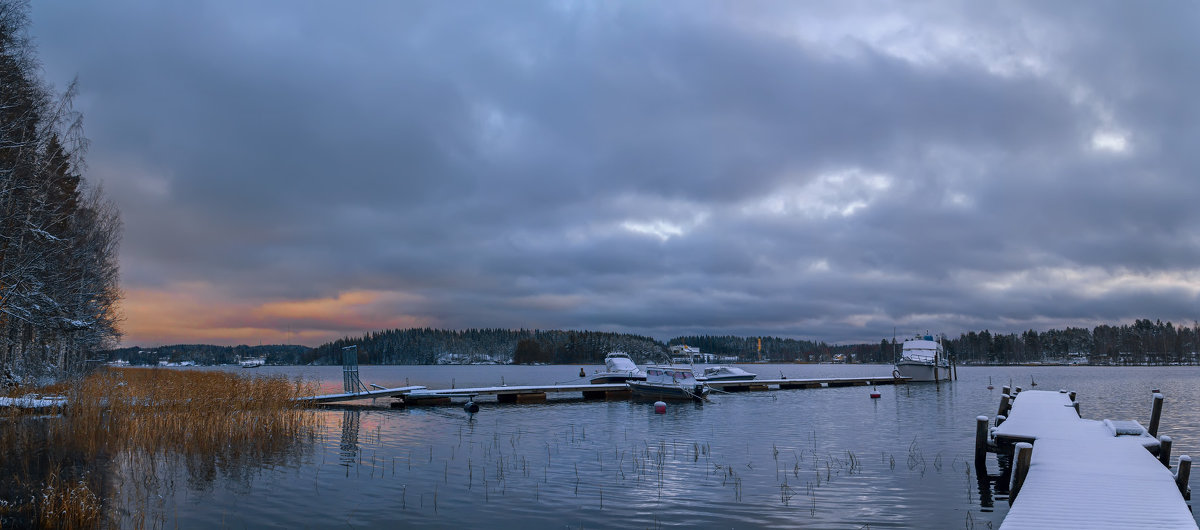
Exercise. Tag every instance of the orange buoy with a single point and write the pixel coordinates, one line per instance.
(875, 393)
(660, 407)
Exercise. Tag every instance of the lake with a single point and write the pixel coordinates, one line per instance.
(817, 458)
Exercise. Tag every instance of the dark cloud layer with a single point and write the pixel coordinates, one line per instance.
(819, 171)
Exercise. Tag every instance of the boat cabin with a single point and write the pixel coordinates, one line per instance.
(669, 375)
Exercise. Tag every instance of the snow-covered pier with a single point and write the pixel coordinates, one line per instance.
(1070, 472)
(790, 384)
(420, 395)
(361, 394)
(34, 402)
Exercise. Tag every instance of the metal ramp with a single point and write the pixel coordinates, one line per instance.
(353, 387)
(350, 381)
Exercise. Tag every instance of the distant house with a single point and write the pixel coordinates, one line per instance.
(690, 354)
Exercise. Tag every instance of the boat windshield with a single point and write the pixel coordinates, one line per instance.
(668, 375)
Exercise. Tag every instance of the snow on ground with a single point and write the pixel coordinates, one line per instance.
(33, 402)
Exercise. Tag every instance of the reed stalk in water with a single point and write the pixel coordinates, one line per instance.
(58, 469)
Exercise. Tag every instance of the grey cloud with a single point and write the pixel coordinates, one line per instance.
(489, 157)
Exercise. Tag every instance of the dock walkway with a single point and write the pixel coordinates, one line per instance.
(537, 393)
(789, 384)
(366, 394)
(1086, 473)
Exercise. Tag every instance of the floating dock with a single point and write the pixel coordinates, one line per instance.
(419, 395)
(363, 394)
(33, 402)
(1070, 472)
(790, 384)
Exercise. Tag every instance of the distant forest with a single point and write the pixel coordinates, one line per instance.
(1144, 342)
(521, 346)
(207, 354)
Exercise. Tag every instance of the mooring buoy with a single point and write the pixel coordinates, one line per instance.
(660, 407)
(471, 407)
(875, 393)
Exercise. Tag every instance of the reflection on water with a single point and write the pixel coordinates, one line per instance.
(56, 471)
(820, 458)
(348, 454)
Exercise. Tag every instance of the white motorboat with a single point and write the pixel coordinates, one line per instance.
(923, 359)
(618, 368)
(254, 362)
(725, 373)
(668, 382)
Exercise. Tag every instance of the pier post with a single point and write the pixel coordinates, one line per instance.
(981, 435)
(1024, 453)
(1155, 414)
(1164, 450)
(1071, 395)
(1075, 405)
(1000, 419)
(1183, 476)
(1004, 389)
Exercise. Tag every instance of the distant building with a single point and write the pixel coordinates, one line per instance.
(690, 354)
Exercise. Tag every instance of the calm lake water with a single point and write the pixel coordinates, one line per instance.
(816, 458)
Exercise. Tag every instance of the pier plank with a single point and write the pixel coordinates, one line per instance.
(1082, 475)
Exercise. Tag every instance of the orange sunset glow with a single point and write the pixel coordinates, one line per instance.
(197, 313)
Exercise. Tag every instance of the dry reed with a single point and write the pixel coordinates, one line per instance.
(58, 469)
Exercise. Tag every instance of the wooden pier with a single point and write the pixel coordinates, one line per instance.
(362, 394)
(419, 395)
(1063, 471)
(791, 384)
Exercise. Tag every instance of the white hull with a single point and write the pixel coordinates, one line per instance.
(729, 378)
(725, 373)
(919, 371)
(618, 368)
(644, 390)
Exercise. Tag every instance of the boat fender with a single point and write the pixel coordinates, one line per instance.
(896, 374)
(471, 407)
(660, 407)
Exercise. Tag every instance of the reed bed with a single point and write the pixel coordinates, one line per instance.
(120, 423)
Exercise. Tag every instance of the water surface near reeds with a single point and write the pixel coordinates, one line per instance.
(816, 458)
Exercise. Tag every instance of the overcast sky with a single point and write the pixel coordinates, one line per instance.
(301, 171)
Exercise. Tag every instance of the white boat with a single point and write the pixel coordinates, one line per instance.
(923, 359)
(618, 368)
(725, 373)
(254, 362)
(668, 382)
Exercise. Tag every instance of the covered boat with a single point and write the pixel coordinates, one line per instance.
(668, 382)
(923, 359)
(725, 373)
(253, 362)
(618, 368)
